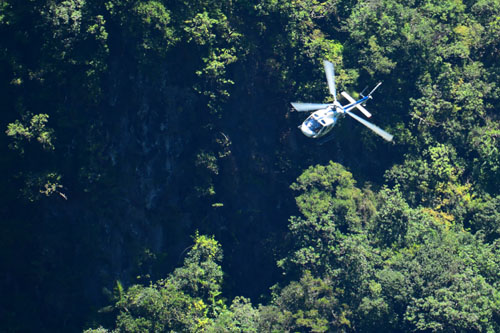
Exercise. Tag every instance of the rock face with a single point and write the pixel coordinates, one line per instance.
(125, 218)
(152, 167)
(145, 152)
(134, 204)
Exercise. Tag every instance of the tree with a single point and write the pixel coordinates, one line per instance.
(188, 300)
(241, 316)
(330, 203)
(486, 218)
(309, 305)
(392, 218)
(440, 285)
(329, 190)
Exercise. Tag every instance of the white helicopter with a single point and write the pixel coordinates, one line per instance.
(321, 122)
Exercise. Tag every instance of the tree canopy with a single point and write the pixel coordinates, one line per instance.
(144, 139)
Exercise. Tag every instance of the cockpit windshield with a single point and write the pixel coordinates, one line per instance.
(313, 125)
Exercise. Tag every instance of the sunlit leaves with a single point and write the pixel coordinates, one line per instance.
(188, 300)
(241, 316)
(485, 142)
(66, 20)
(38, 185)
(199, 29)
(36, 129)
(399, 257)
(432, 286)
(486, 218)
(392, 217)
(311, 304)
(328, 190)
(153, 31)
(201, 275)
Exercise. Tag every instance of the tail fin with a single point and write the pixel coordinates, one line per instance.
(373, 90)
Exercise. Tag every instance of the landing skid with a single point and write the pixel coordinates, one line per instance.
(325, 139)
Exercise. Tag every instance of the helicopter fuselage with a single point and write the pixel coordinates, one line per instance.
(325, 116)
(322, 121)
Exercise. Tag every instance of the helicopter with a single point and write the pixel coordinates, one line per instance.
(322, 121)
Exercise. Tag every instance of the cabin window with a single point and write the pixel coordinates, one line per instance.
(313, 125)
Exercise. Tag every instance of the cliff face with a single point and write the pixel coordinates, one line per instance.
(122, 174)
(140, 190)
(135, 124)
(150, 166)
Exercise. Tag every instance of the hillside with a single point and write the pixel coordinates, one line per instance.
(154, 178)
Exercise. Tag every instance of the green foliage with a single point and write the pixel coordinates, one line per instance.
(241, 316)
(96, 330)
(417, 272)
(207, 160)
(486, 218)
(139, 94)
(392, 219)
(438, 285)
(332, 206)
(36, 129)
(201, 275)
(329, 190)
(38, 185)
(65, 19)
(486, 167)
(311, 305)
(188, 300)
(155, 35)
(435, 180)
(156, 309)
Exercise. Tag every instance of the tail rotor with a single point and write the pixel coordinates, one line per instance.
(373, 90)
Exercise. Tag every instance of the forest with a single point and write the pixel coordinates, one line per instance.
(154, 178)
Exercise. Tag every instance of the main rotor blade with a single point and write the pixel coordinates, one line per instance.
(330, 77)
(303, 107)
(371, 126)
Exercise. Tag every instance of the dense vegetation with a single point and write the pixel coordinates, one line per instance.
(144, 139)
